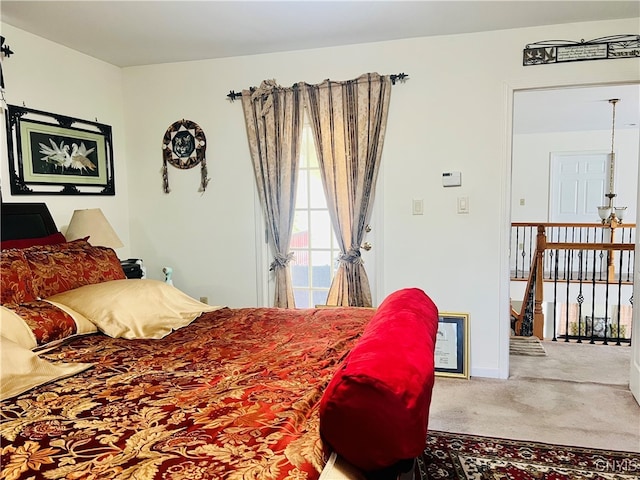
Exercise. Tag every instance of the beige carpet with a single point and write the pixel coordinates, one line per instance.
(578, 394)
(526, 346)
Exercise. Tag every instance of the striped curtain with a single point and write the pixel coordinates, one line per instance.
(273, 117)
(349, 120)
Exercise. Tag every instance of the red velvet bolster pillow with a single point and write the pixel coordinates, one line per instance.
(375, 410)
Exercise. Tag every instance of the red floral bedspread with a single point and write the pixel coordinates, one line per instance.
(234, 395)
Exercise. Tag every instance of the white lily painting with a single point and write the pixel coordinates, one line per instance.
(65, 157)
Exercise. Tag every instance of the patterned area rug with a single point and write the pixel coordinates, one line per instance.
(526, 346)
(472, 457)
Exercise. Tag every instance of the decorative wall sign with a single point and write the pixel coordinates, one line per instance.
(184, 146)
(48, 151)
(560, 51)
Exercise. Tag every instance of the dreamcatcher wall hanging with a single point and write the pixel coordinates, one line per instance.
(184, 146)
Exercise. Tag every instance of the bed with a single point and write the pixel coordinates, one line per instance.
(111, 387)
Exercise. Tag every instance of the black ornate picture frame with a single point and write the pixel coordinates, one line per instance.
(51, 154)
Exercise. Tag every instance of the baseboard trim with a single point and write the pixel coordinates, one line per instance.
(634, 380)
(486, 373)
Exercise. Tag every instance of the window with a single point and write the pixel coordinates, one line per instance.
(313, 241)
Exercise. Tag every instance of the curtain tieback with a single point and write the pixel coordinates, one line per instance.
(352, 256)
(280, 261)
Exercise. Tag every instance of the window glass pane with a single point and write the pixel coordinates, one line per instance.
(300, 234)
(320, 235)
(302, 190)
(299, 275)
(312, 158)
(306, 148)
(313, 241)
(321, 269)
(321, 276)
(319, 297)
(316, 191)
(321, 257)
(300, 257)
(302, 298)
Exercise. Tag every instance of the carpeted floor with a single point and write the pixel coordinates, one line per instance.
(526, 346)
(471, 457)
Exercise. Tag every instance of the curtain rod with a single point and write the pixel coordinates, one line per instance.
(232, 95)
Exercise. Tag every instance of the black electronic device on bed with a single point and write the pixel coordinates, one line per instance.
(132, 268)
(26, 220)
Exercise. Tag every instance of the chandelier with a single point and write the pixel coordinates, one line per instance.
(609, 214)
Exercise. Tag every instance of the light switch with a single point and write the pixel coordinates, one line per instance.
(418, 207)
(463, 204)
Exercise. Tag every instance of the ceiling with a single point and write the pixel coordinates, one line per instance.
(128, 33)
(132, 33)
(576, 109)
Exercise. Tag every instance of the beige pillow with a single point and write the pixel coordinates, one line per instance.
(135, 308)
(13, 328)
(22, 370)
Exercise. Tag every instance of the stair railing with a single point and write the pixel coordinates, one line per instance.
(530, 319)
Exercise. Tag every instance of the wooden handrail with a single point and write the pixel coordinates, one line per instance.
(557, 224)
(588, 246)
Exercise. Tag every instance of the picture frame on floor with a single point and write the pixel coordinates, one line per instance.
(452, 345)
(52, 154)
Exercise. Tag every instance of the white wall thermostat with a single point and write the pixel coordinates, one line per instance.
(451, 179)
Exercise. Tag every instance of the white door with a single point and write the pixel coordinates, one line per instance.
(577, 185)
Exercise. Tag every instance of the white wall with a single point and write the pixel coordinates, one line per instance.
(43, 75)
(452, 114)
(531, 169)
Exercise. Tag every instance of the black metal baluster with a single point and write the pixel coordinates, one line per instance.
(619, 300)
(518, 253)
(593, 298)
(531, 231)
(555, 295)
(580, 296)
(629, 262)
(552, 254)
(588, 253)
(568, 279)
(606, 309)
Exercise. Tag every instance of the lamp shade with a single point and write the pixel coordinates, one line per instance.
(92, 223)
(604, 213)
(620, 211)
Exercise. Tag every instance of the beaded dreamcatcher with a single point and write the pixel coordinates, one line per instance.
(184, 146)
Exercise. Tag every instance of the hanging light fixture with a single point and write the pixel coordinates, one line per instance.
(609, 214)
